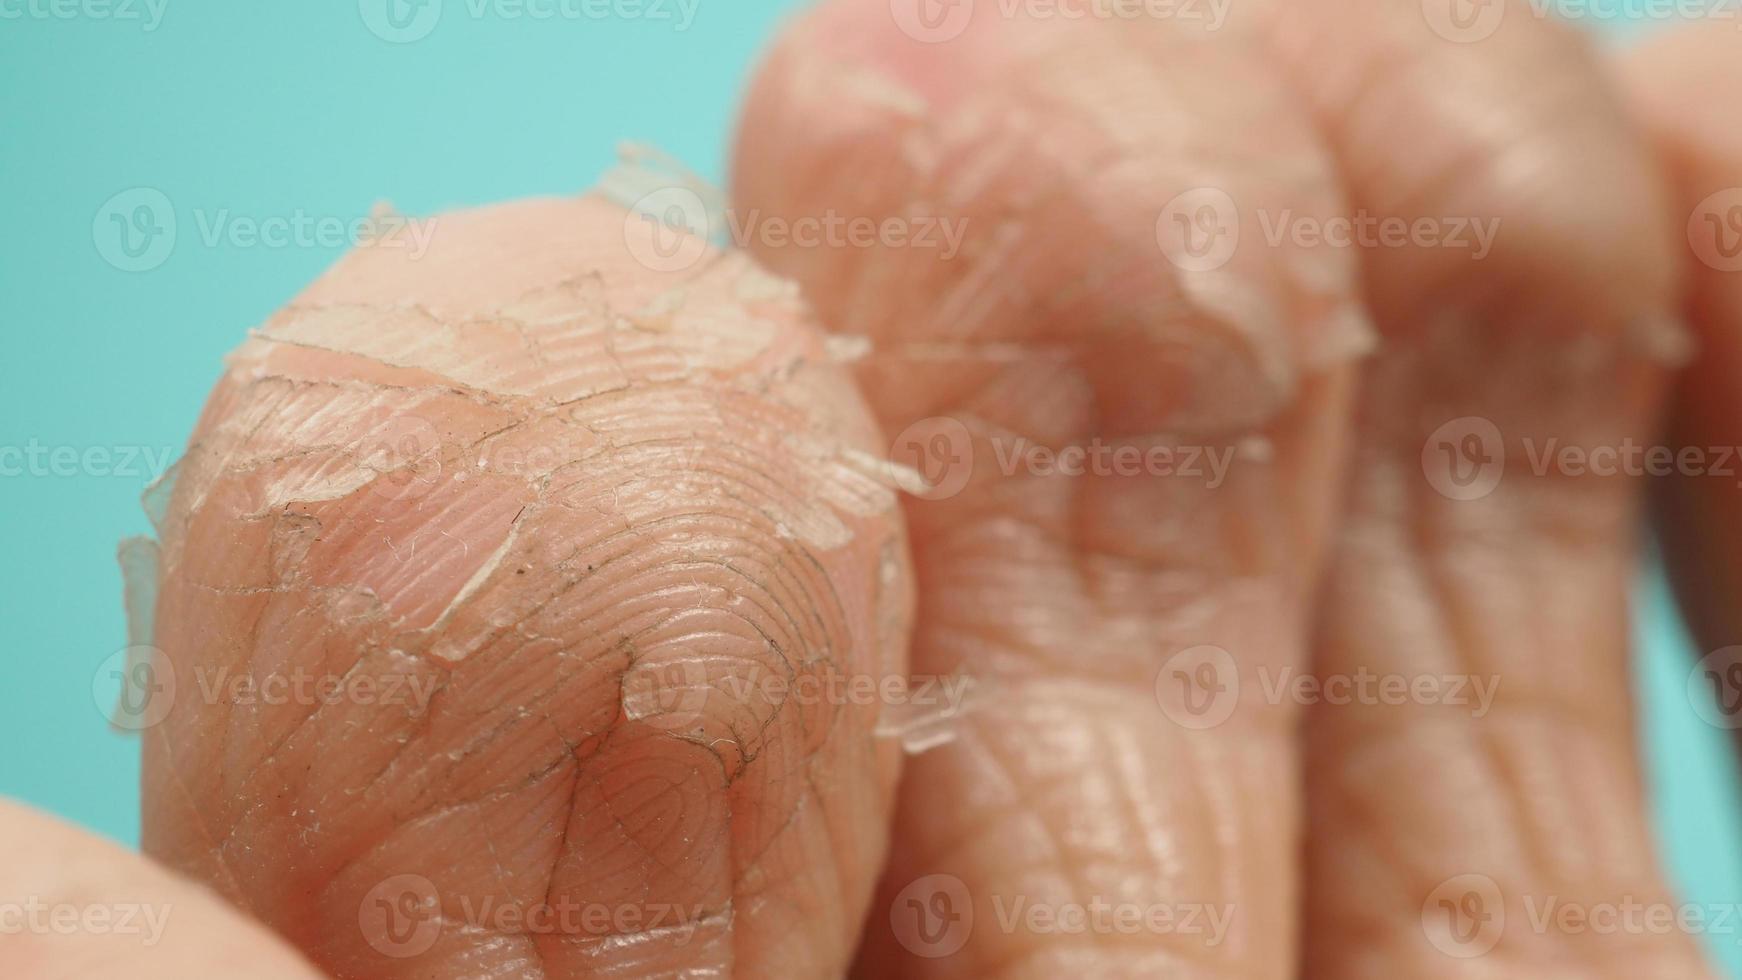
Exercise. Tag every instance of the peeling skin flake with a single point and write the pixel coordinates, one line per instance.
(847, 349)
(878, 89)
(335, 404)
(919, 728)
(155, 500)
(138, 557)
(1217, 345)
(1667, 340)
(646, 178)
(678, 333)
(604, 522)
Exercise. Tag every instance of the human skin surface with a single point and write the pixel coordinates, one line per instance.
(622, 490)
(88, 908)
(576, 502)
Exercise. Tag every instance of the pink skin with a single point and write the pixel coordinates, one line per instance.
(1062, 324)
(565, 502)
(623, 491)
(80, 907)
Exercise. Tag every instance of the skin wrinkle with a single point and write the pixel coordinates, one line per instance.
(1038, 652)
(998, 773)
(1531, 702)
(788, 601)
(183, 930)
(1052, 558)
(1064, 189)
(229, 886)
(1022, 572)
(1074, 868)
(452, 385)
(1551, 109)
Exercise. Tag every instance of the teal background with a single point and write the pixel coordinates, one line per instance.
(267, 108)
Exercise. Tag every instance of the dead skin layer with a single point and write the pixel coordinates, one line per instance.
(1061, 141)
(555, 763)
(1075, 315)
(551, 523)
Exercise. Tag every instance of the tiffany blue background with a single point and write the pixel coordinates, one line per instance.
(257, 110)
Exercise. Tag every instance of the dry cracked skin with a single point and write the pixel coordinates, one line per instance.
(613, 518)
(611, 493)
